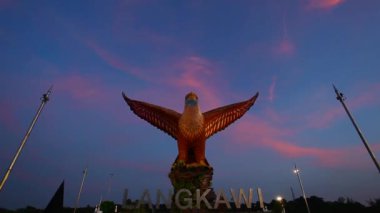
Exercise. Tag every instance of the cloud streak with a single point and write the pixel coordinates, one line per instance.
(83, 89)
(187, 73)
(272, 88)
(271, 133)
(259, 133)
(324, 4)
(113, 60)
(8, 118)
(184, 73)
(285, 48)
(325, 117)
(195, 74)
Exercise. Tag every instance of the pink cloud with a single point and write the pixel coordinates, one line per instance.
(348, 157)
(158, 40)
(260, 133)
(272, 87)
(182, 74)
(113, 60)
(194, 74)
(376, 146)
(253, 130)
(281, 47)
(82, 89)
(369, 97)
(323, 156)
(285, 48)
(276, 117)
(325, 117)
(126, 13)
(8, 118)
(358, 157)
(185, 74)
(119, 63)
(324, 4)
(271, 134)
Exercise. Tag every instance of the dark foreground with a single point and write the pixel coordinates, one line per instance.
(317, 205)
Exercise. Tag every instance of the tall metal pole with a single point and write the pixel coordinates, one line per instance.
(341, 98)
(80, 190)
(109, 185)
(297, 171)
(281, 200)
(108, 190)
(100, 203)
(293, 196)
(44, 99)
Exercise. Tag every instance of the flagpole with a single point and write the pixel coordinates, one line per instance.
(297, 172)
(80, 190)
(108, 190)
(341, 98)
(44, 99)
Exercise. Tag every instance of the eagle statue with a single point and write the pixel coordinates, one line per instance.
(192, 128)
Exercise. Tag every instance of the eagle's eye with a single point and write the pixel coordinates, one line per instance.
(191, 102)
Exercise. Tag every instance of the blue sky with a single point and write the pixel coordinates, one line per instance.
(158, 51)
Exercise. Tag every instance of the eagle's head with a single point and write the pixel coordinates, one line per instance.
(191, 99)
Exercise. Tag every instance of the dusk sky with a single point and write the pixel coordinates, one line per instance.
(290, 51)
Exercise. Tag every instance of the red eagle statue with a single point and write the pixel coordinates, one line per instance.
(192, 128)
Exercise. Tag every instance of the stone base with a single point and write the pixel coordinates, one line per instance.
(191, 178)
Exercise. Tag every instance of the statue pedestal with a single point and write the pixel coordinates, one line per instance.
(191, 179)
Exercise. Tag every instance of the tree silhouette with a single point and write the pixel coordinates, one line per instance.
(107, 206)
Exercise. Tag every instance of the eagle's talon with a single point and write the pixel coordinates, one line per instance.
(179, 164)
(201, 164)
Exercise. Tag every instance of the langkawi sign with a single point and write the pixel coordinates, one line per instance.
(185, 199)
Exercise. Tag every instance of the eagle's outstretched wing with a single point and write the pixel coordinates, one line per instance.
(160, 117)
(219, 118)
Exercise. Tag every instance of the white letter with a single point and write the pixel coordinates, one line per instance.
(248, 202)
(203, 197)
(142, 199)
(189, 200)
(261, 200)
(167, 202)
(219, 195)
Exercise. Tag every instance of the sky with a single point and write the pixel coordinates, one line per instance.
(290, 51)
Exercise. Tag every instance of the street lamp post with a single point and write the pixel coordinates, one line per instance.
(281, 200)
(297, 172)
(80, 189)
(109, 184)
(108, 190)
